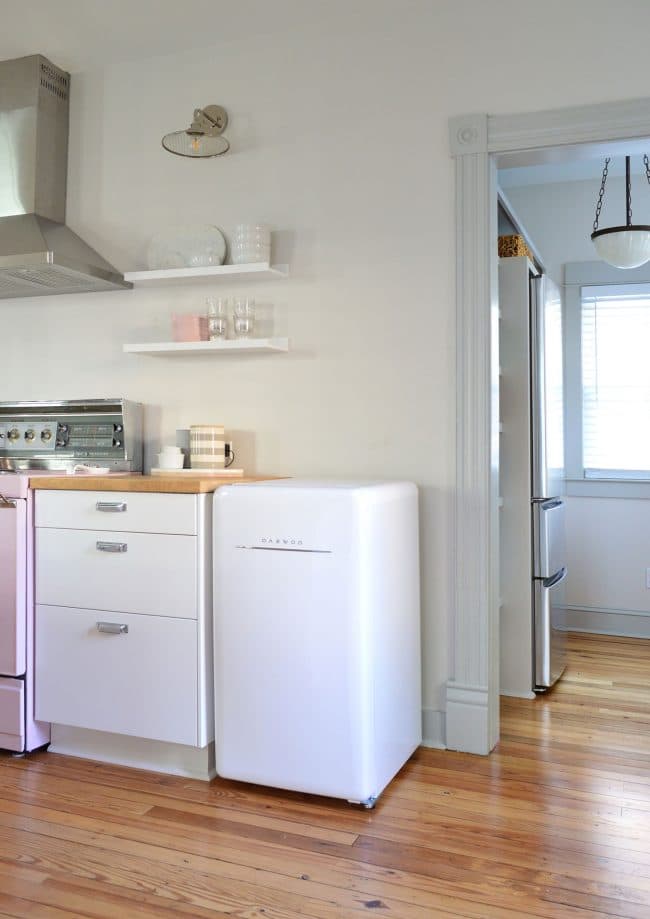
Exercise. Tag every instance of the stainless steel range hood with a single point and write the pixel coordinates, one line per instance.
(39, 255)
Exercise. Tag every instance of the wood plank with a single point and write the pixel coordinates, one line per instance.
(555, 824)
(167, 484)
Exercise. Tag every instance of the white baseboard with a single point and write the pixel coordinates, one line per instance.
(433, 729)
(624, 623)
(136, 752)
(468, 719)
(518, 695)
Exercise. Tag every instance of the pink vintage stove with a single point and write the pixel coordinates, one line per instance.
(44, 438)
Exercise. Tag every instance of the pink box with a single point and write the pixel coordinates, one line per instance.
(189, 327)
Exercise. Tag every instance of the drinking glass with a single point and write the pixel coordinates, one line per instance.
(217, 309)
(244, 317)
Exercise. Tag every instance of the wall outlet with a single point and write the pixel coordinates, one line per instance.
(647, 578)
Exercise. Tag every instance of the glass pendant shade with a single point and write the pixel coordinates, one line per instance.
(623, 247)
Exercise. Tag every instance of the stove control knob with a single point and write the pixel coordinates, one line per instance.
(117, 428)
(14, 434)
(46, 435)
(29, 435)
(117, 442)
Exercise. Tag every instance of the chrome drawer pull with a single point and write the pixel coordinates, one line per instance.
(111, 546)
(113, 628)
(111, 507)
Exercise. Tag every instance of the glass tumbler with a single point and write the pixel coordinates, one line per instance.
(244, 317)
(217, 310)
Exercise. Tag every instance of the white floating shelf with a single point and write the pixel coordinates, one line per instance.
(235, 345)
(262, 271)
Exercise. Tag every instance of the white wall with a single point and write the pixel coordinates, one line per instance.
(608, 553)
(339, 140)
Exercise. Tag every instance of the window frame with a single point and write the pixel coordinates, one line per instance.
(576, 276)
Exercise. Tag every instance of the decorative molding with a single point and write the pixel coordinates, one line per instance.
(518, 695)
(586, 274)
(433, 729)
(596, 123)
(475, 646)
(468, 134)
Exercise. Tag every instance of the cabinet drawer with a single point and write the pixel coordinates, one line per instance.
(12, 714)
(151, 573)
(140, 682)
(112, 510)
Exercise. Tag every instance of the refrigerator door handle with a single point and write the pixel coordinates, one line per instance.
(555, 579)
(549, 657)
(548, 537)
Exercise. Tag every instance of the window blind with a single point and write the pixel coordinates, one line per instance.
(615, 342)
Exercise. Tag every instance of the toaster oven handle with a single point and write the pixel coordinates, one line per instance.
(113, 628)
(111, 507)
(111, 546)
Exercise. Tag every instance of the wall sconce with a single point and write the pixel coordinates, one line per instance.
(203, 137)
(625, 246)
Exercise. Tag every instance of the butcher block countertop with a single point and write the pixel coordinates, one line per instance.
(173, 484)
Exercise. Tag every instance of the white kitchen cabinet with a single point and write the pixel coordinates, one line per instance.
(136, 512)
(124, 616)
(150, 573)
(140, 679)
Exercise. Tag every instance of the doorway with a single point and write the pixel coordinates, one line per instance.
(479, 144)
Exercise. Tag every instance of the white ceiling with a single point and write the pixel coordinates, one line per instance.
(87, 34)
(576, 163)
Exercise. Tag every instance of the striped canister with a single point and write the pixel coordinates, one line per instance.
(207, 446)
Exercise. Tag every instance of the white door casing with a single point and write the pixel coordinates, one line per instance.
(478, 144)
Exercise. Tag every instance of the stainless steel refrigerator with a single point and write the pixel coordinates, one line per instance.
(532, 476)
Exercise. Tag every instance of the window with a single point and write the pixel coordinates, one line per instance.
(615, 352)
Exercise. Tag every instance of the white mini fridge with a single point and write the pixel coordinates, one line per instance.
(317, 634)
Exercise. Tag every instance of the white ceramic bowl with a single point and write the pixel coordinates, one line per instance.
(170, 460)
(187, 246)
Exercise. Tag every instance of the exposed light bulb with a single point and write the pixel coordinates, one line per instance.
(196, 143)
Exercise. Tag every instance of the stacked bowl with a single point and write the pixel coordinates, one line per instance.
(251, 242)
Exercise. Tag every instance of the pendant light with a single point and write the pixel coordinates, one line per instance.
(204, 137)
(626, 246)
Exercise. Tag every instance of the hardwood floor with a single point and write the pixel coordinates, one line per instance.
(556, 823)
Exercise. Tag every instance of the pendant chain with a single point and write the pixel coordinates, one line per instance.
(601, 193)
